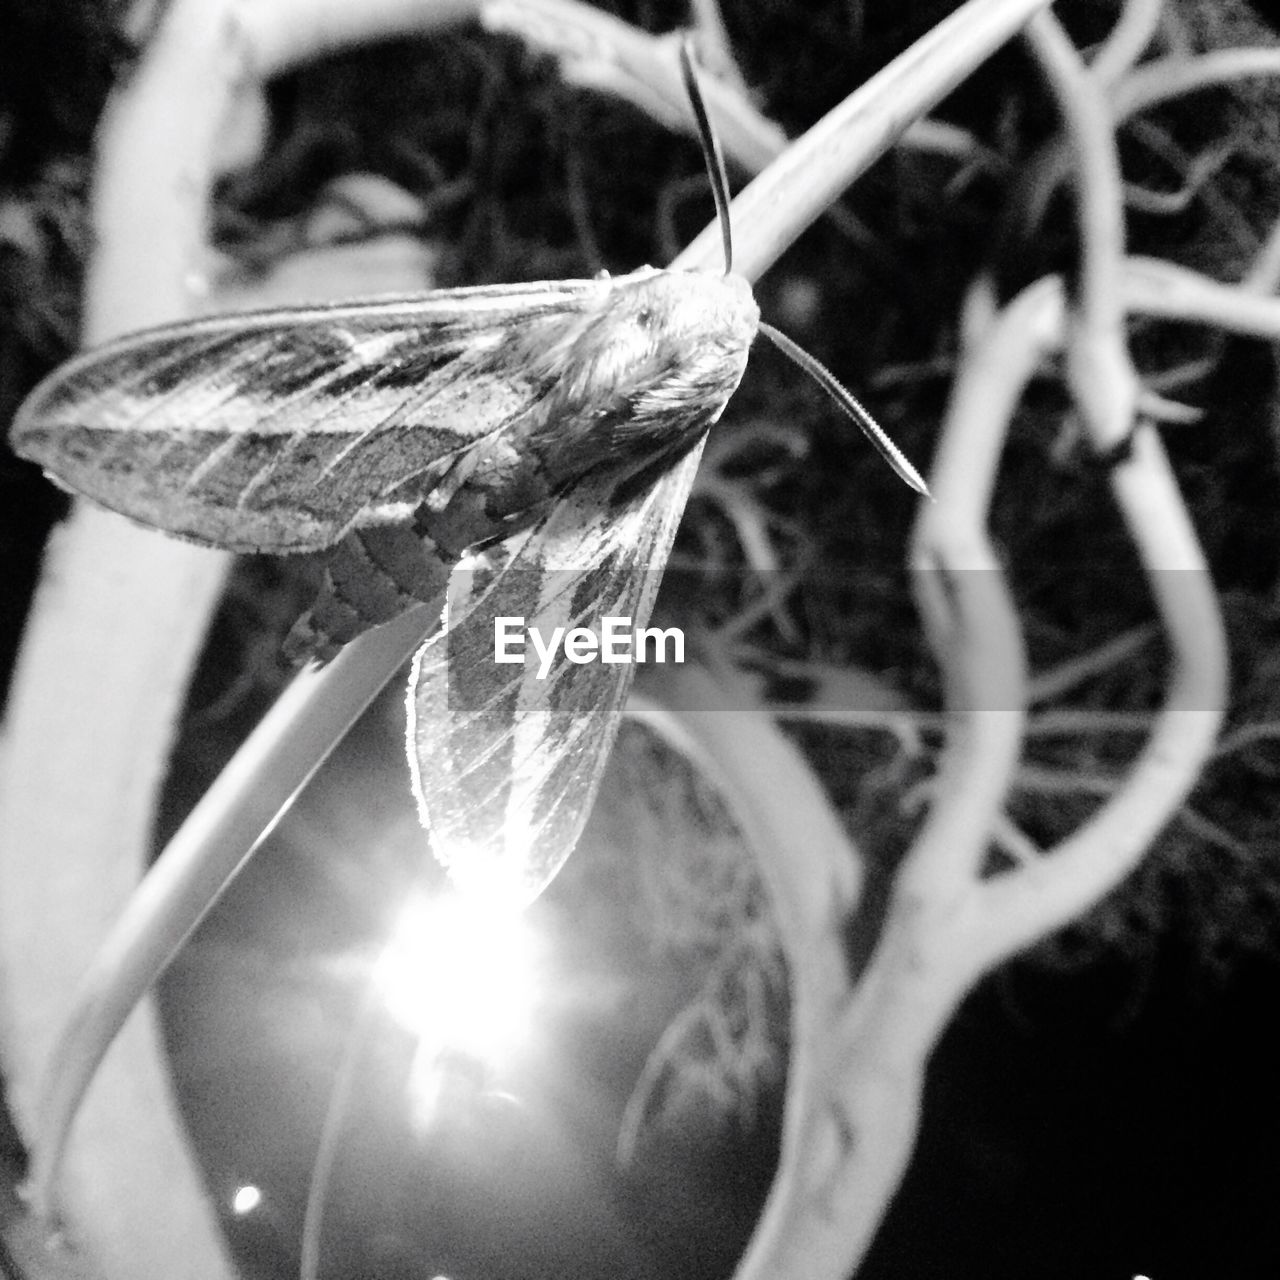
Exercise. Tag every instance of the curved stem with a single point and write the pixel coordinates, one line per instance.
(1128, 41)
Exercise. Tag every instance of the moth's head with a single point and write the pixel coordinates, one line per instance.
(689, 306)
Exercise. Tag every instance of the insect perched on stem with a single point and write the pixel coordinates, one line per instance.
(537, 424)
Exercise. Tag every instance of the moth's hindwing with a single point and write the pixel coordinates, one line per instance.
(506, 765)
(278, 430)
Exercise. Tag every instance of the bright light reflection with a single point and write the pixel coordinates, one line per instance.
(246, 1199)
(458, 974)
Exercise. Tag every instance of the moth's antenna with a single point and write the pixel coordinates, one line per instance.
(870, 427)
(711, 152)
(714, 158)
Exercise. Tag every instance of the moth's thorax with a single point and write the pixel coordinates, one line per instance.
(621, 383)
(647, 368)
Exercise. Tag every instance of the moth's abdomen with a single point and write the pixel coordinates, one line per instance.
(370, 577)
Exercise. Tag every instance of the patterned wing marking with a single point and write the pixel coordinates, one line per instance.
(280, 430)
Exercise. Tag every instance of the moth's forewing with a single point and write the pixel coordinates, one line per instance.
(277, 431)
(506, 765)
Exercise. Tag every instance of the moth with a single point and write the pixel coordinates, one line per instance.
(537, 429)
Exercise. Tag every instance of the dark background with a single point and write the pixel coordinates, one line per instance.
(1106, 1105)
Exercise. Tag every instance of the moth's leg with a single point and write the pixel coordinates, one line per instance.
(370, 577)
(451, 479)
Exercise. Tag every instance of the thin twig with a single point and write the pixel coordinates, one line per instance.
(598, 51)
(1099, 371)
(1018, 907)
(1134, 30)
(1069, 675)
(1168, 78)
